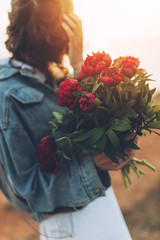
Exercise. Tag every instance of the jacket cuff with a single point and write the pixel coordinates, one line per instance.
(90, 177)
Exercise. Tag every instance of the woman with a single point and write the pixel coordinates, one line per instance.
(79, 203)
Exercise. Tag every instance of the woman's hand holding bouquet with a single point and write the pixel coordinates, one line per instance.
(102, 162)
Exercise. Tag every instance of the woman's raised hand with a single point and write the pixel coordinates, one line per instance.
(73, 28)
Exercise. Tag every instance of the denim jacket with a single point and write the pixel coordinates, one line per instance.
(26, 106)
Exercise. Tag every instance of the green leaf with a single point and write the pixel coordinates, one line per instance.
(58, 116)
(119, 92)
(69, 151)
(94, 135)
(126, 111)
(103, 108)
(120, 125)
(122, 155)
(156, 108)
(155, 125)
(113, 138)
(108, 95)
(148, 113)
(73, 150)
(131, 113)
(114, 100)
(79, 137)
(54, 131)
(152, 91)
(112, 156)
(144, 117)
(95, 120)
(156, 133)
(101, 143)
(80, 122)
(96, 86)
(126, 95)
(130, 103)
(66, 157)
(130, 144)
(144, 100)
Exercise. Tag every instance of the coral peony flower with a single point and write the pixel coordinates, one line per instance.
(128, 65)
(100, 66)
(65, 93)
(46, 156)
(81, 75)
(94, 64)
(87, 102)
(111, 76)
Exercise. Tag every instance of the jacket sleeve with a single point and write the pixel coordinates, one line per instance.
(44, 192)
(23, 124)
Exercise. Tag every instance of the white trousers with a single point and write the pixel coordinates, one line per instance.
(100, 220)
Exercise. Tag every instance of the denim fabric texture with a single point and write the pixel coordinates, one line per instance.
(26, 106)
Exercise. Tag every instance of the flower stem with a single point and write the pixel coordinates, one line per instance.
(135, 169)
(127, 176)
(124, 178)
(144, 162)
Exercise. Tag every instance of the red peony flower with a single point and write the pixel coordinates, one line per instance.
(65, 93)
(46, 156)
(111, 76)
(94, 64)
(128, 65)
(87, 102)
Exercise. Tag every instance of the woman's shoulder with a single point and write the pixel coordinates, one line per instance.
(8, 79)
(6, 70)
(15, 90)
(14, 81)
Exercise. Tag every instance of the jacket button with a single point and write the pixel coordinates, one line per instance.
(97, 191)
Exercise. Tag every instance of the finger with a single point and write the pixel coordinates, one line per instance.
(129, 136)
(135, 140)
(121, 165)
(109, 167)
(67, 29)
(69, 21)
(75, 18)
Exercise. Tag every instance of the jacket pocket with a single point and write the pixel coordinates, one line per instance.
(27, 95)
(27, 108)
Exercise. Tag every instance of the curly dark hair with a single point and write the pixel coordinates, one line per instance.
(35, 34)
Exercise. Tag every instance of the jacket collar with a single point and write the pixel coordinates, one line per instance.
(7, 70)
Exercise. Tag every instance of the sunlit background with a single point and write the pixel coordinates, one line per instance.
(117, 27)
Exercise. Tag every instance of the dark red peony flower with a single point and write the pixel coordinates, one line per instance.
(128, 65)
(46, 157)
(87, 102)
(111, 76)
(94, 64)
(65, 93)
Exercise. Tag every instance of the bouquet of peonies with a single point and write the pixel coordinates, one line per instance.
(108, 101)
